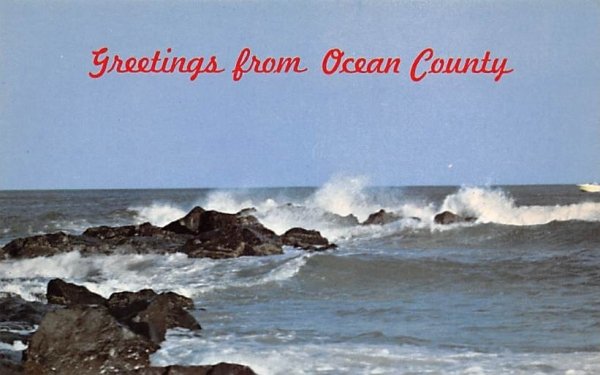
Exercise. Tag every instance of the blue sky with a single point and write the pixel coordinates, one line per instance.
(62, 129)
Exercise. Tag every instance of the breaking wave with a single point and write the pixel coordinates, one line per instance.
(337, 208)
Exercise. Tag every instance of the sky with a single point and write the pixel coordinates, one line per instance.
(61, 129)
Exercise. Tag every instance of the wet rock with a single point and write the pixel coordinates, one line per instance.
(85, 340)
(15, 309)
(150, 314)
(220, 235)
(164, 312)
(42, 245)
(124, 306)
(218, 369)
(448, 217)
(136, 239)
(306, 239)
(381, 217)
(60, 292)
(232, 243)
(188, 224)
(200, 233)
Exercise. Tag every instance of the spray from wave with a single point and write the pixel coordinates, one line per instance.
(337, 208)
(495, 206)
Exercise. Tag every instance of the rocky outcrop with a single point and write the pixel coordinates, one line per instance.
(199, 234)
(94, 335)
(381, 217)
(60, 292)
(218, 369)
(85, 340)
(150, 314)
(448, 217)
(306, 239)
(136, 239)
(145, 312)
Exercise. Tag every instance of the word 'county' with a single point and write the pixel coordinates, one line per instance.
(425, 64)
(158, 63)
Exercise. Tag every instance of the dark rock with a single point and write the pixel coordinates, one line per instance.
(60, 292)
(219, 235)
(85, 340)
(381, 217)
(124, 306)
(164, 312)
(150, 314)
(15, 309)
(199, 234)
(218, 369)
(448, 217)
(306, 239)
(232, 243)
(136, 239)
(188, 224)
(42, 245)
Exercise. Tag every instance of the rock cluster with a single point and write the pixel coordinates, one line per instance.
(199, 234)
(81, 332)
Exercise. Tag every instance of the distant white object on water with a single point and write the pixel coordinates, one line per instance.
(590, 188)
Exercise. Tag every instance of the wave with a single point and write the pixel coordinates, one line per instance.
(495, 206)
(174, 272)
(339, 205)
(282, 353)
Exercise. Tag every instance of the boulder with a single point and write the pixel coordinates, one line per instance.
(83, 340)
(60, 292)
(218, 369)
(381, 217)
(150, 314)
(220, 235)
(164, 312)
(306, 239)
(448, 217)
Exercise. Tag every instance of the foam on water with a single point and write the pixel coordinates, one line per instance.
(175, 272)
(495, 206)
(325, 208)
(285, 355)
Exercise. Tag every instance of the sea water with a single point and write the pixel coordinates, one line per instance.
(515, 292)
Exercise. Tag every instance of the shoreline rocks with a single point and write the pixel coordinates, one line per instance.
(199, 234)
(88, 334)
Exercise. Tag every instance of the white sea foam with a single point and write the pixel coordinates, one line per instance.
(176, 272)
(350, 196)
(285, 355)
(16, 346)
(495, 206)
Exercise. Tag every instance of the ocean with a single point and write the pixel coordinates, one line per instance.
(515, 292)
